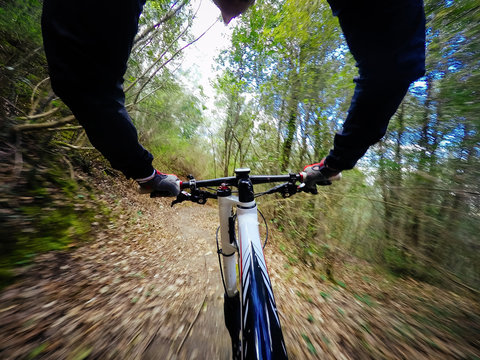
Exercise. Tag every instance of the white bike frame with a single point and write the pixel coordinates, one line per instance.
(261, 335)
(251, 315)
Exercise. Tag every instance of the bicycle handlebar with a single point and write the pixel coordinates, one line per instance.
(233, 181)
(200, 196)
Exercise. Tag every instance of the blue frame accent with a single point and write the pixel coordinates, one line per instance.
(262, 335)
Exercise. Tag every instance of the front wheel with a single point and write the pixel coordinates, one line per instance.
(232, 315)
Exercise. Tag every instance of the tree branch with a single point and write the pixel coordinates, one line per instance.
(45, 125)
(476, 193)
(150, 93)
(66, 128)
(74, 147)
(39, 116)
(14, 106)
(164, 19)
(166, 62)
(154, 63)
(32, 98)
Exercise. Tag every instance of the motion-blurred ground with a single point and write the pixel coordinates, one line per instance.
(149, 287)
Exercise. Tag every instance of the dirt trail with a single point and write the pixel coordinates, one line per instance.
(133, 293)
(149, 288)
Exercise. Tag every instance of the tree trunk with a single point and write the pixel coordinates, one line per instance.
(291, 123)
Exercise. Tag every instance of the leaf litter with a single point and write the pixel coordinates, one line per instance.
(148, 287)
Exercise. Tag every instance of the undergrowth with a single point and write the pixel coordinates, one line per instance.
(45, 210)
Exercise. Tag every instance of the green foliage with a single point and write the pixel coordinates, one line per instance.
(398, 261)
(365, 299)
(169, 123)
(310, 346)
(38, 350)
(324, 295)
(20, 21)
(413, 205)
(81, 353)
(168, 116)
(6, 277)
(289, 56)
(55, 213)
(22, 63)
(430, 205)
(56, 217)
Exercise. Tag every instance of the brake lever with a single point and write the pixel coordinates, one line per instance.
(198, 196)
(276, 189)
(286, 189)
(183, 196)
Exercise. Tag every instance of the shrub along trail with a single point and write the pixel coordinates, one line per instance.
(148, 287)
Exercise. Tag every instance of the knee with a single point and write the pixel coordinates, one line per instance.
(395, 73)
(65, 87)
(375, 135)
(411, 66)
(84, 100)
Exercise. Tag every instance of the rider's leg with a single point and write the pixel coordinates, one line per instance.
(87, 44)
(387, 39)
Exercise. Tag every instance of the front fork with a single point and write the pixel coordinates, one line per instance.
(228, 243)
(231, 304)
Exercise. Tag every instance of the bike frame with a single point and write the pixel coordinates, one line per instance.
(261, 335)
(251, 315)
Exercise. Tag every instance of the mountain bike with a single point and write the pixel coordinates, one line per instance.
(251, 315)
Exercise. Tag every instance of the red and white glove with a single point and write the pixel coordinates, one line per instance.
(319, 174)
(160, 185)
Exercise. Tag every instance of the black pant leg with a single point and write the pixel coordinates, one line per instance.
(387, 39)
(87, 44)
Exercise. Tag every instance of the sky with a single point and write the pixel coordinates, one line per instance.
(199, 57)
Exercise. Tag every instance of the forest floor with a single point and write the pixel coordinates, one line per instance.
(149, 287)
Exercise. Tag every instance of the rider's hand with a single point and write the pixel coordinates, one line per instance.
(319, 174)
(232, 8)
(159, 184)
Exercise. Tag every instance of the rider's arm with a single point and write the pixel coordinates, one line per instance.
(387, 40)
(87, 46)
(87, 51)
